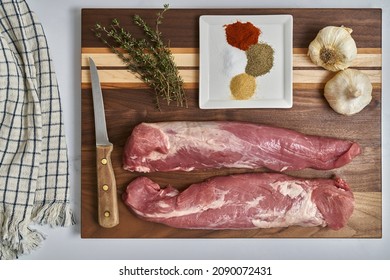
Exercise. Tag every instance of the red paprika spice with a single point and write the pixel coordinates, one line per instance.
(242, 35)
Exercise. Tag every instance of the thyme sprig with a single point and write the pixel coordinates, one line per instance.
(149, 58)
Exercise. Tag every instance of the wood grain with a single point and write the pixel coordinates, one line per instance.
(128, 103)
(183, 58)
(113, 73)
(108, 215)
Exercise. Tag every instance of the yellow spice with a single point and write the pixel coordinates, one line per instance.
(242, 86)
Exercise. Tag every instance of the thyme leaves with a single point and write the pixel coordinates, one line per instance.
(148, 57)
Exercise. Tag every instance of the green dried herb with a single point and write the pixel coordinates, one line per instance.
(149, 58)
(260, 59)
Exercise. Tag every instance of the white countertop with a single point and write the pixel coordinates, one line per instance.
(62, 24)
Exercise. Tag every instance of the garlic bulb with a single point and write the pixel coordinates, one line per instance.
(333, 48)
(348, 92)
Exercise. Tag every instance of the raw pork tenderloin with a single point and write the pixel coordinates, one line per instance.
(186, 146)
(256, 200)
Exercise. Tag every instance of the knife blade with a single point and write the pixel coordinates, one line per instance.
(108, 214)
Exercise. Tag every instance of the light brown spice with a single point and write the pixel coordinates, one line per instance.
(260, 59)
(242, 86)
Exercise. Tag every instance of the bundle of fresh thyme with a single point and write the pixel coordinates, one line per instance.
(149, 58)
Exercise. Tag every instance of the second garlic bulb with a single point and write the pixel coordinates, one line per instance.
(348, 92)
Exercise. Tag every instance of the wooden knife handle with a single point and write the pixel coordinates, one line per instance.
(108, 213)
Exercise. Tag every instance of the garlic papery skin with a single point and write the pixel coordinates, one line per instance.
(333, 48)
(348, 92)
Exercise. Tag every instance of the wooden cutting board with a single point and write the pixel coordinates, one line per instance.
(128, 102)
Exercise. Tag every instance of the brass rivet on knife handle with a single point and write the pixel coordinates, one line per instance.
(108, 213)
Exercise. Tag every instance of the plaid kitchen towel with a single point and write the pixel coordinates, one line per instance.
(34, 165)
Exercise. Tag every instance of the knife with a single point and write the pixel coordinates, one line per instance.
(108, 215)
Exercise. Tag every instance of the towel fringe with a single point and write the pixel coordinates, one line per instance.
(16, 237)
(53, 214)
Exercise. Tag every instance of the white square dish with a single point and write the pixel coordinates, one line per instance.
(217, 68)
